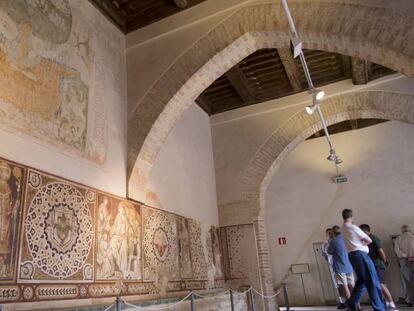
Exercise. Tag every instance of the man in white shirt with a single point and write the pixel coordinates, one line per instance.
(404, 249)
(356, 243)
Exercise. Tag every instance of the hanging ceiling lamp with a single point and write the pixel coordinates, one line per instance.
(317, 95)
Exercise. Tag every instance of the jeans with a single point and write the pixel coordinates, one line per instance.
(367, 280)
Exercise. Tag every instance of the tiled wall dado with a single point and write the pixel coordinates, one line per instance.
(61, 240)
(239, 255)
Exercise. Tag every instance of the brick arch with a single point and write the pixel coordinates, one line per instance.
(375, 34)
(357, 105)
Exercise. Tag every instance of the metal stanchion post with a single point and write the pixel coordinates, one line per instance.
(192, 302)
(252, 300)
(231, 300)
(118, 304)
(285, 295)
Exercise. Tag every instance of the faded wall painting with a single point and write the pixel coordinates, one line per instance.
(118, 239)
(58, 231)
(160, 246)
(184, 252)
(62, 240)
(217, 257)
(47, 79)
(11, 190)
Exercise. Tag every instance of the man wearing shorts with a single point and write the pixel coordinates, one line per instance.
(344, 275)
(379, 258)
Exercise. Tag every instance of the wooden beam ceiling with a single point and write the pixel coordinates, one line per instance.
(360, 71)
(130, 15)
(273, 73)
(241, 84)
(291, 67)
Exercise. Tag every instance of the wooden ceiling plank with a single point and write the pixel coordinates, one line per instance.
(264, 71)
(241, 84)
(291, 68)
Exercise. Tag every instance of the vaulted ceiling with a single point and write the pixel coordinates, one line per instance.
(130, 15)
(273, 73)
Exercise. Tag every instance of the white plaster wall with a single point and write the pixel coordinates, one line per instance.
(183, 176)
(109, 49)
(301, 201)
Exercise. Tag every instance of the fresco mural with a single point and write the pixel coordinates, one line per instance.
(48, 79)
(217, 257)
(11, 190)
(77, 242)
(118, 236)
(184, 253)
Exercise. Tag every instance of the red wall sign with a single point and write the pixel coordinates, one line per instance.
(282, 240)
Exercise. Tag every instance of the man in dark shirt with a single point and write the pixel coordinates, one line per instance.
(379, 258)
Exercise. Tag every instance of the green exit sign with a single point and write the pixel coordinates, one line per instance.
(340, 179)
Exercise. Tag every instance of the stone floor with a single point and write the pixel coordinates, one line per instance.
(333, 308)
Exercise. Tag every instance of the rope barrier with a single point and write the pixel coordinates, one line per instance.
(242, 293)
(199, 296)
(208, 296)
(159, 308)
(267, 297)
(109, 308)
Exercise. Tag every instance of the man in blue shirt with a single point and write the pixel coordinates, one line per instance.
(342, 266)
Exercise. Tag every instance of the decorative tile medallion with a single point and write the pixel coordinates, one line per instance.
(160, 244)
(58, 231)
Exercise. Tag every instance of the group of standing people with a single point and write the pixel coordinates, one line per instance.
(353, 250)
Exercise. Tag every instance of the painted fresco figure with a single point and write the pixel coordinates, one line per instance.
(134, 258)
(216, 252)
(105, 266)
(184, 248)
(9, 206)
(119, 247)
(119, 240)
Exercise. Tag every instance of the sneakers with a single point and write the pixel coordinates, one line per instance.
(342, 306)
(348, 308)
(390, 308)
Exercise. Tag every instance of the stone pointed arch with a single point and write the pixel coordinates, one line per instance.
(259, 173)
(376, 34)
(357, 105)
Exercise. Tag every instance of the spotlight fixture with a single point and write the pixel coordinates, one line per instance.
(311, 108)
(334, 157)
(317, 95)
